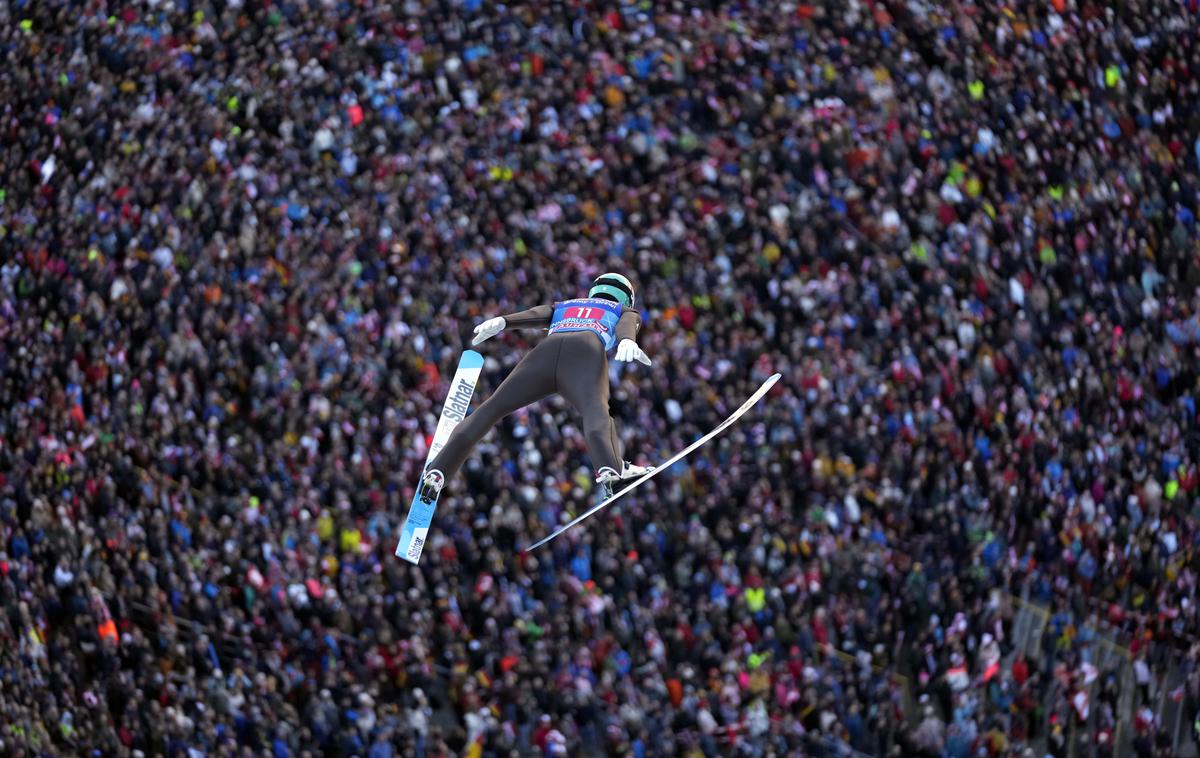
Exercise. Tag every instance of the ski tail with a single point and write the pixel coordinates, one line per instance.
(759, 394)
(458, 402)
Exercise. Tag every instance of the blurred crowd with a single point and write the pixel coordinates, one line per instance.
(243, 243)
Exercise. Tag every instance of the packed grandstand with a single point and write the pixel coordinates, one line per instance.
(243, 243)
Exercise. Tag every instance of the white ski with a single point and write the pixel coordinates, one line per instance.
(758, 395)
(458, 401)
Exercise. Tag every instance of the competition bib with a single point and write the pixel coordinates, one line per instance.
(596, 315)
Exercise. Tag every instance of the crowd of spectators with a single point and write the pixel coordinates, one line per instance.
(242, 244)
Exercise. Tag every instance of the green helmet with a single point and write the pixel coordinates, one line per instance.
(613, 287)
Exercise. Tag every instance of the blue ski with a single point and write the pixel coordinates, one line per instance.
(458, 401)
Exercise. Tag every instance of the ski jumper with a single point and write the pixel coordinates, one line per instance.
(572, 361)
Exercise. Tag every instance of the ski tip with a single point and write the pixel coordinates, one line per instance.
(470, 359)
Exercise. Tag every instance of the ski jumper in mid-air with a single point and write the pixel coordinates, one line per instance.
(573, 362)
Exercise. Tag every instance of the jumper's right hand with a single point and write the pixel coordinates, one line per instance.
(628, 350)
(488, 329)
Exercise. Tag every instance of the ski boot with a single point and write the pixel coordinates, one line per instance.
(431, 485)
(606, 477)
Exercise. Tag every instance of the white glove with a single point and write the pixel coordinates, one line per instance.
(628, 350)
(488, 329)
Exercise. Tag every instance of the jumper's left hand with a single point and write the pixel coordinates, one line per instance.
(628, 350)
(488, 329)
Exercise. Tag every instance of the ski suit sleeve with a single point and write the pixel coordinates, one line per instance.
(627, 327)
(537, 316)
